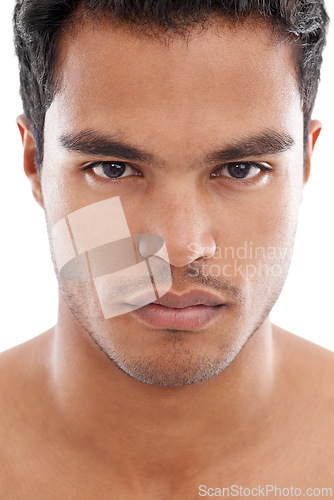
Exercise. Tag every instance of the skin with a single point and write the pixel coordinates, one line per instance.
(260, 415)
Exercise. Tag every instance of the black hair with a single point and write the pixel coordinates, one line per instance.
(39, 24)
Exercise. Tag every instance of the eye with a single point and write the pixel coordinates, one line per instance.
(240, 170)
(112, 169)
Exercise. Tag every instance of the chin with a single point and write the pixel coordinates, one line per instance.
(176, 364)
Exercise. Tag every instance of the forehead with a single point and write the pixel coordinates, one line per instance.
(120, 80)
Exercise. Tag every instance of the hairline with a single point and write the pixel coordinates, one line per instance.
(102, 19)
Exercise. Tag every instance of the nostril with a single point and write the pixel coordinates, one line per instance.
(148, 244)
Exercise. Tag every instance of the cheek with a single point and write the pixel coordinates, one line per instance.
(64, 190)
(91, 247)
(277, 218)
(268, 216)
(256, 233)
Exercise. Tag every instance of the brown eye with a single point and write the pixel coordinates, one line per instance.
(240, 170)
(112, 169)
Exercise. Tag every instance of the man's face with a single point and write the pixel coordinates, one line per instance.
(217, 121)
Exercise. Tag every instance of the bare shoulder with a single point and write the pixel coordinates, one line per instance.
(23, 377)
(307, 369)
(305, 397)
(305, 360)
(24, 371)
(23, 368)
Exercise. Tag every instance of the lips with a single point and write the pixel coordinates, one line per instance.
(191, 298)
(175, 301)
(189, 311)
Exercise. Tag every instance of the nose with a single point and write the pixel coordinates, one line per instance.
(183, 222)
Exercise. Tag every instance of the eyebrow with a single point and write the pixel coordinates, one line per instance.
(267, 143)
(93, 143)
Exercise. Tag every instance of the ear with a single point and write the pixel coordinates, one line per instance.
(29, 164)
(313, 134)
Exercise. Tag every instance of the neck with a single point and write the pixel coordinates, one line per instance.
(121, 417)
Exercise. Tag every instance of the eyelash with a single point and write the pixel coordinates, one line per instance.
(252, 180)
(116, 180)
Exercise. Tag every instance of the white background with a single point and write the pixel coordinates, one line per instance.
(28, 285)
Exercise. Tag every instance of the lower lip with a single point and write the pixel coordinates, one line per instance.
(188, 318)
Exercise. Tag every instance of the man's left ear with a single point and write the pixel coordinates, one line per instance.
(313, 134)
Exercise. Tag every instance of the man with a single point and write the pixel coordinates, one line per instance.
(169, 144)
